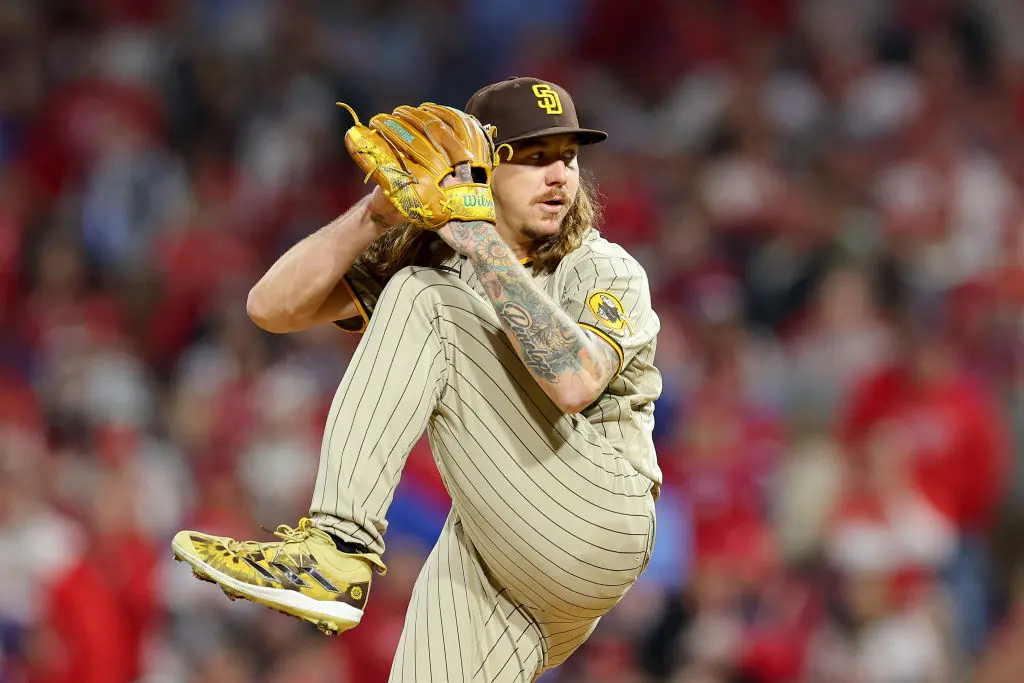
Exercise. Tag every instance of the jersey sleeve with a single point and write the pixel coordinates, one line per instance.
(610, 296)
(365, 287)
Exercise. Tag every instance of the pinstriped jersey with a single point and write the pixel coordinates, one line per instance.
(602, 287)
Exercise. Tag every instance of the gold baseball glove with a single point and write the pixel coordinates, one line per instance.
(410, 151)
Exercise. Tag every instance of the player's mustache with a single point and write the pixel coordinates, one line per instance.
(554, 195)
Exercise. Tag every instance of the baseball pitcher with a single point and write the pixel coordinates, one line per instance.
(495, 317)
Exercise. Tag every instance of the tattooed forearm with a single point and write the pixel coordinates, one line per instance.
(548, 350)
(554, 347)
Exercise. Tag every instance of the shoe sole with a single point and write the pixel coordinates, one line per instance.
(330, 618)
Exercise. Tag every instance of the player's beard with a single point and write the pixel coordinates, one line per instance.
(536, 232)
(551, 224)
(545, 229)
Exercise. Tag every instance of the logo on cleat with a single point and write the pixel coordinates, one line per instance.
(356, 592)
(286, 571)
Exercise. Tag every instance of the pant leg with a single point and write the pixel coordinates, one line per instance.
(558, 519)
(460, 627)
(392, 384)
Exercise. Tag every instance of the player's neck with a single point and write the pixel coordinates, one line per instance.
(520, 244)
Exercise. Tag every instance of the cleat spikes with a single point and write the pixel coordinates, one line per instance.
(201, 577)
(327, 628)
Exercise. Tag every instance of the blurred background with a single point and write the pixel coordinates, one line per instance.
(828, 196)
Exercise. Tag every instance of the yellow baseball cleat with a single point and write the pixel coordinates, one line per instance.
(303, 575)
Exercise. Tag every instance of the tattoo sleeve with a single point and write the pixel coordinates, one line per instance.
(555, 348)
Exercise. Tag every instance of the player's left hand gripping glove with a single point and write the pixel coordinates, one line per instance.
(410, 151)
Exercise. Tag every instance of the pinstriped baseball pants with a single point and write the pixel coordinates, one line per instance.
(549, 526)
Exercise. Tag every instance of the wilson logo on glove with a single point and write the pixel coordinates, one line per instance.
(481, 199)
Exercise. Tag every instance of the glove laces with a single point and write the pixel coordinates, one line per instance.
(376, 162)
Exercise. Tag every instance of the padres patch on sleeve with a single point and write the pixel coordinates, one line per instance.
(607, 308)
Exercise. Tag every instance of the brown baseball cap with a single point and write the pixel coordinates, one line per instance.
(522, 108)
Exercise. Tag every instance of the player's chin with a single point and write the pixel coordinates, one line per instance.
(542, 229)
(546, 223)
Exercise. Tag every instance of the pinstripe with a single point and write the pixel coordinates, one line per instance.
(447, 607)
(575, 629)
(596, 466)
(372, 343)
(427, 612)
(461, 617)
(511, 654)
(405, 448)
(488, 620)
(487, 545)
(369, 342)
(355, 461)
(556, 547)
(532, 422)
(497, 641)
(409, 634)
(536, 590)
(484, 455)
(557, 646)
(377, 407)
(412, 415)
(530, 392)
(629, 288)
(397, 668)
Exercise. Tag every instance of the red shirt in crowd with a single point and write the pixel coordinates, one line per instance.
(84, 636)
(724, 469)
(957, 436)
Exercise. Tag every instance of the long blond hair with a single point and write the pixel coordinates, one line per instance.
(408, 246)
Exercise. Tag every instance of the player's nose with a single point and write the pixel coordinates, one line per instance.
(557, 174)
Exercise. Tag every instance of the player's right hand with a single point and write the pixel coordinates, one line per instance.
(384, 214)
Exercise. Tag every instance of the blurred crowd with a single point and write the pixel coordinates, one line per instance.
(828, 196)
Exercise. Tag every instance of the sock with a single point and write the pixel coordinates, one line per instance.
(348, 547)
